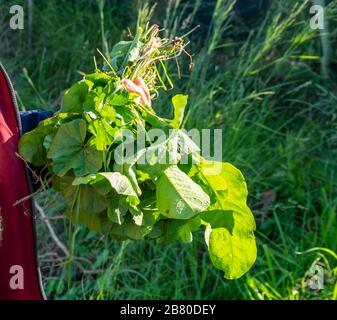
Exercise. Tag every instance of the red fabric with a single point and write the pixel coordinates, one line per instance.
(17, 244)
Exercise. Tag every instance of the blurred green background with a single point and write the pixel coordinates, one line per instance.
(263, 76)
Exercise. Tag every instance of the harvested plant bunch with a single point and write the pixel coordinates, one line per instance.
(165, 190)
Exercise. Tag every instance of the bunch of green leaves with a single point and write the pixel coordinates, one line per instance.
(160, 200)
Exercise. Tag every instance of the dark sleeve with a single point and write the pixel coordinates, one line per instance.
(31, 119)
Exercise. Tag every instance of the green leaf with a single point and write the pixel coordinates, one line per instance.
(118, 52)
(120, 183)
(94, 100)
(84, 180)
(97, 181)
(33, 145)
(101, 185)
(48, 140)
(93, 221)
(166, 152)
(116, 210)
(126, 165)
(157, 231)
(125, 114)
(134, 232)
(179, 102)
(232, 253)
(69, 150)
(180, 230)
(103, 134)
(84, 205)
(108, 114)
(124, 52)
(119, 98)
(129, 230)
(153, 119)
(178, 197)
(75, 96)
(231, 241)
(228, 190)
(99, 78)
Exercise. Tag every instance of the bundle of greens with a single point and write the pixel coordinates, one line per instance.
(84, 150)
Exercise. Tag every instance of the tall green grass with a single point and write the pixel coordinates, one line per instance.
(264, 85)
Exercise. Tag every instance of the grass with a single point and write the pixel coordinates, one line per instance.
(263, 83)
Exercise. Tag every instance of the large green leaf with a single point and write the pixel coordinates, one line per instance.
(33, 145)
(178, 196)
(69, 150)
(231, 241)
(229, 193)
(232, 253)
(75, 96)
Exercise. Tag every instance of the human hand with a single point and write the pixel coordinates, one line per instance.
(139, 87)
